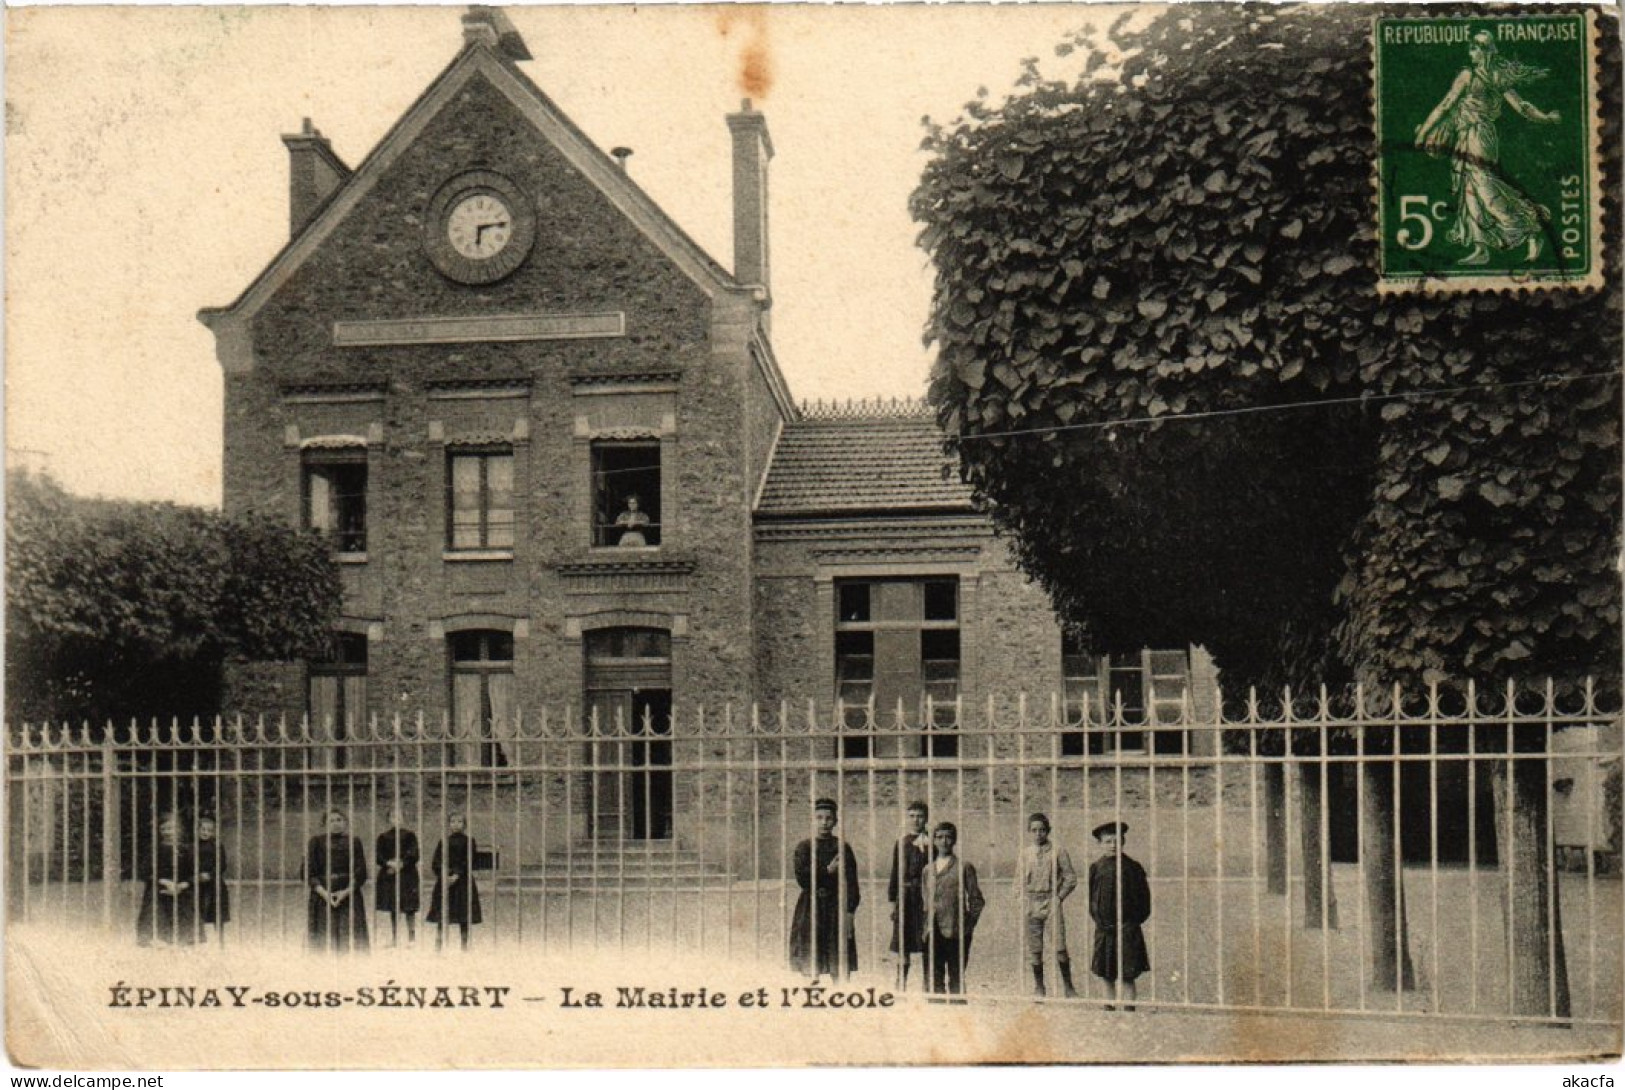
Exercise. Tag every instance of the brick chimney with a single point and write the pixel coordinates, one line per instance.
(314, 172)
(752, 150)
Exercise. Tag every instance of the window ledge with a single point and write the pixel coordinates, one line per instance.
(460, 556)
(350, 558)
(625, 550)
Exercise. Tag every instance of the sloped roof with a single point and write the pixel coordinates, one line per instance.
(473, 61)
(861, 464)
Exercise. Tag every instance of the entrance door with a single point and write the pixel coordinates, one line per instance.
(628, 682)
(651, 780)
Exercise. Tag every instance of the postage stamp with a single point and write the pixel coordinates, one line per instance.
(1487, 153)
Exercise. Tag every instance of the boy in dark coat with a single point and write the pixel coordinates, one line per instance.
(456, 898)
(1119, 902)
(827, 872)
(908, 864)
(398, 892)
(213, 895)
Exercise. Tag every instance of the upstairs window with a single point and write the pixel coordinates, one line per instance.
(335, 497)
(479, 498)
(626, 494)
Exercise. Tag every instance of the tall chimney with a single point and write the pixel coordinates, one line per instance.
(314, 172)
(752, 150)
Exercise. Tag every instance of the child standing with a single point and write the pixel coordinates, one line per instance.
(1044, 879)
(397, 892)
(827, 872)
(908, 863)
(213, 895)
(456, 898)
(1119, 902)
(953, 904)
(168, 899)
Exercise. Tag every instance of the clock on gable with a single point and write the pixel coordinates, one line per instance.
(480, 227)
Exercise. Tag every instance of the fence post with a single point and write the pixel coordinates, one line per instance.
(112, 845)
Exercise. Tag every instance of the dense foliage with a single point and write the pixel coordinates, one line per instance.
(1188, 228)
(119, 609)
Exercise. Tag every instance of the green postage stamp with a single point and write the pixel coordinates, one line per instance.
(1487, 152)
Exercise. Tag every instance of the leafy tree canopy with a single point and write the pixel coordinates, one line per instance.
(119, 609)
(1188, 229)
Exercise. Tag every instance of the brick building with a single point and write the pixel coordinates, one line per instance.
(560, 465)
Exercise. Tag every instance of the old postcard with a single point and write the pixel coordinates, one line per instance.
(777, 535)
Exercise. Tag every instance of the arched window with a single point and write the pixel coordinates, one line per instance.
(336, 696)
(482, 704)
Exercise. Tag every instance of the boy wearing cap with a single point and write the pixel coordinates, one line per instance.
(1119, 902)
(1044, 879)
(827, 872)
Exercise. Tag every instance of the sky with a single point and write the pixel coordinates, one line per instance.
(146, 179)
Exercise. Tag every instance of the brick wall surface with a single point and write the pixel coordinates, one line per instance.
(587, 257)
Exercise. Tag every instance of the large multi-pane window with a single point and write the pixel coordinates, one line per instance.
(479, 498)
(482, 704)
(336, 696)
(626, 493)
(334, 483)
(1109, 698)
(897, 648)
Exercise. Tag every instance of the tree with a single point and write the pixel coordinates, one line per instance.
(118, 610)
(1395, 488)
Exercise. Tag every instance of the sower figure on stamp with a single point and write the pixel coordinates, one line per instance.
(1119, 903)
(1044, 880)
(903, 890)
(335, 870)
(827, 872)
(953, 904)
(1491, 213)
(168, 897)
(398, 892)
(213, 895)
(456, 898)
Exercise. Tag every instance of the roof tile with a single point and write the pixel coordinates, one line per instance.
(863, 464)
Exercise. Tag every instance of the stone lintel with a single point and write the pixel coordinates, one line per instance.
(478, 329)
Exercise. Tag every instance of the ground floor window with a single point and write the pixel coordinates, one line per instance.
(897, 645)
(482, 697)
(336, 696)
(1108, 697)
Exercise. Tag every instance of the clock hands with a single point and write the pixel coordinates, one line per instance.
(479, 231)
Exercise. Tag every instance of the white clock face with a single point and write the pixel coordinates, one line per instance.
(479, 226)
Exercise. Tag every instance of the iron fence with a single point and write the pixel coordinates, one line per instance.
(1449, 856)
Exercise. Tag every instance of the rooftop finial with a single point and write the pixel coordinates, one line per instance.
(490, 27)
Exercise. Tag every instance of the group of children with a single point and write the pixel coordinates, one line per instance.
(936, 897)
(936, 902)
(186, 898)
